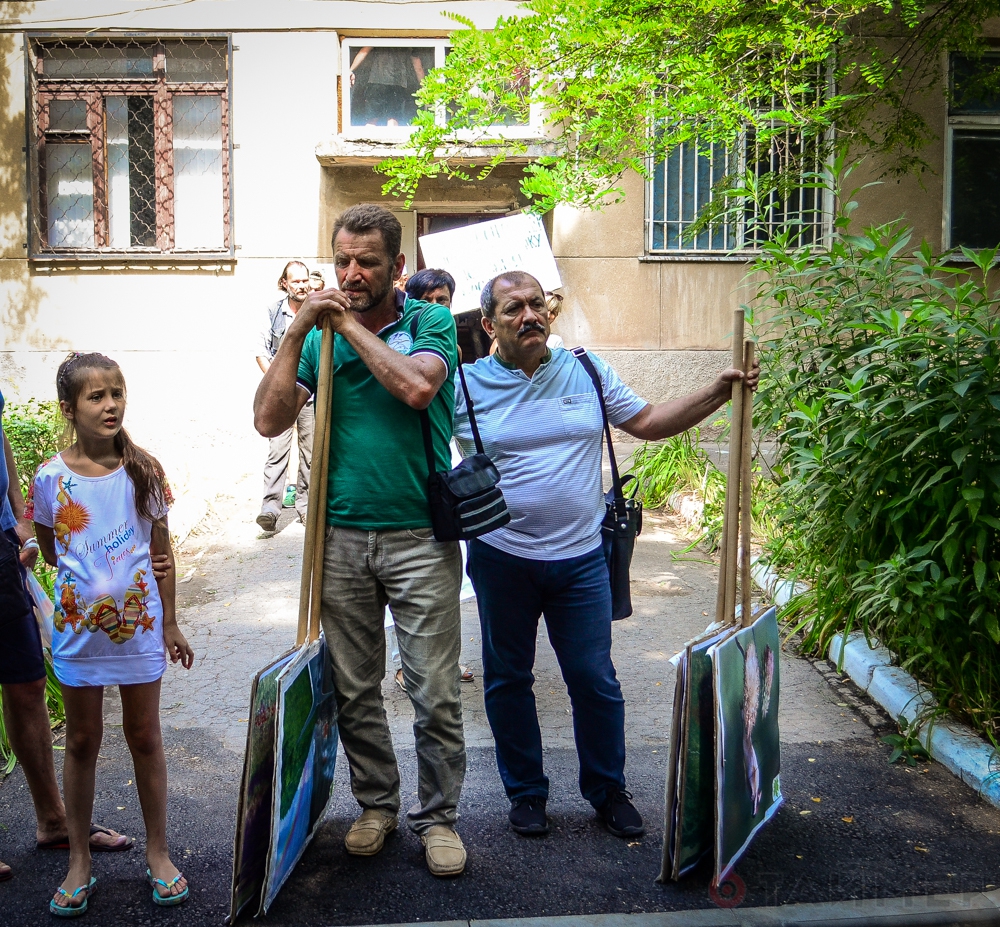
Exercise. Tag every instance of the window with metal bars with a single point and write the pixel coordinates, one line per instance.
(130, 151)
(687, 182)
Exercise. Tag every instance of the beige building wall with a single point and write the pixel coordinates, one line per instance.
(918, 198)
(665, 324)
(185, 337)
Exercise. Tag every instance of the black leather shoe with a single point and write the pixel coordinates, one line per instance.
(527, 816)
(619, 816)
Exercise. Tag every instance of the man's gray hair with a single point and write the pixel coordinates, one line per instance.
(487, 298)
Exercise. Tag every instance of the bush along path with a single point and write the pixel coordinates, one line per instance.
(925, 731)
(882, 390)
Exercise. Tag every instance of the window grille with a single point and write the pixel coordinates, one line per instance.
(687, 182)
(129, 150)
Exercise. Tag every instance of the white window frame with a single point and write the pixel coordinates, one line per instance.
(987, 122)
(402, 133)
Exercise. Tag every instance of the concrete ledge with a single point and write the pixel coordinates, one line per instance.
(965, 755)
(859, 660)
(911, 911)
(778, 590)
(956, 747)
(898, 693)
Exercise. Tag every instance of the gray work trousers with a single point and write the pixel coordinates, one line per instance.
(276, 468)
(421, 578)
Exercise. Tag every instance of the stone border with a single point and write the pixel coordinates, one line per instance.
(954, 745)
(908, 911)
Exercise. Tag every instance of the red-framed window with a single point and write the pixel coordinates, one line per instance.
(131, 147)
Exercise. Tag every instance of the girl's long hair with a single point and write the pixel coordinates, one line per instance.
(143, 469)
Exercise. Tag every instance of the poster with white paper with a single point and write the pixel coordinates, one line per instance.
(475, 254)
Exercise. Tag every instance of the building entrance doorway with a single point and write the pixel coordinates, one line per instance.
(429, 222)
(472, 339)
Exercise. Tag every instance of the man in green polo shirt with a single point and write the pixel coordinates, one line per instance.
(379, 545)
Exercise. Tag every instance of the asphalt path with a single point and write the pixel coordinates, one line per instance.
(852, 827)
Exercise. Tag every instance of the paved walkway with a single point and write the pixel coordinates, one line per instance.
(239, 607)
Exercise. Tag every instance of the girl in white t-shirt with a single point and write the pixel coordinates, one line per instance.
(100, 513)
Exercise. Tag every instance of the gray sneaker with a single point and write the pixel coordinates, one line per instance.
(268, 521)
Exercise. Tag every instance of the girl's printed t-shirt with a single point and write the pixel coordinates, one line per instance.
(108, 619)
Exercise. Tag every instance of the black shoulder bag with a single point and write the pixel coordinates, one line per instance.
(623, 515)
(466, 500)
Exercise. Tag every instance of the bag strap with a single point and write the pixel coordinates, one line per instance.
(425, 419)
(471, 410)
(581, 355)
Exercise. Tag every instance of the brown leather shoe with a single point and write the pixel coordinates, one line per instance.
(445, 853)
(367, 834)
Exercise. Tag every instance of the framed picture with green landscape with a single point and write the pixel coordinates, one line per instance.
(305, 757)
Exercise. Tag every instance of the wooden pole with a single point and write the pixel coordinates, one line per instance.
(725, 608)
(324, 401)
(746, 487)
(312, 554)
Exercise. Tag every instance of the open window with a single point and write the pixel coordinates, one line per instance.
(380, 77)
(131, 148)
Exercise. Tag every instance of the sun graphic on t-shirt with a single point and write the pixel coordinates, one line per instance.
(74, 516)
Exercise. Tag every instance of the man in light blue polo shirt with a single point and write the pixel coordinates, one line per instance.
(540, 421)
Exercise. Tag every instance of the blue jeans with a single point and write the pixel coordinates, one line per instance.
(575, 597)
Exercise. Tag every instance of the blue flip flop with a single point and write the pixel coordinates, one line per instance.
(70, 909)
(168, 900)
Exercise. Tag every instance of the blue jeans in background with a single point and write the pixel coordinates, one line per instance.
(575, 597)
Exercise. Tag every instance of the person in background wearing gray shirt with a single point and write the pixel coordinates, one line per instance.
(294, 280)
(541, 424)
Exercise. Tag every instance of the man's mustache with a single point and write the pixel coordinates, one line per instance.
(530, 327)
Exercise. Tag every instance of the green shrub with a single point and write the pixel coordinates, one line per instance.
(34, 431)
(882, 383)
(680, 465)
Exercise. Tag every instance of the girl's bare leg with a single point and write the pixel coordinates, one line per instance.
(141, 721)
(84, 730)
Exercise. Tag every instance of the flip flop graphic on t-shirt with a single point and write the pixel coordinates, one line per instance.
(104, 613)
(135, 614)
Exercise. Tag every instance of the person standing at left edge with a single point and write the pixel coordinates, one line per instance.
(379, 545)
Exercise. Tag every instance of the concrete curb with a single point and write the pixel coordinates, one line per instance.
(956, 747)
(911, 911)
